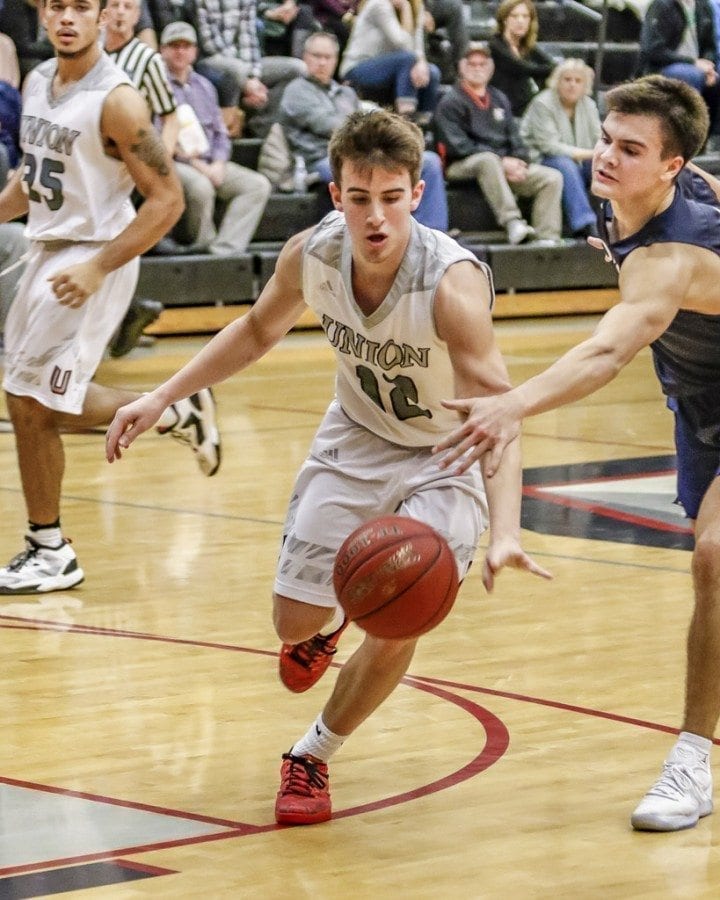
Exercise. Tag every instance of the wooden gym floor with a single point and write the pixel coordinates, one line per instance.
(142, 719)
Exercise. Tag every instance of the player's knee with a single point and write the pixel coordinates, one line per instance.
(28, 412)
(296, 621)
(706, 560)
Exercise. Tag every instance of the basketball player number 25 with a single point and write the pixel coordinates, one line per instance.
(49, 170)
(403, 394)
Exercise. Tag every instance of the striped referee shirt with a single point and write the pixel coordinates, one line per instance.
(146, 69)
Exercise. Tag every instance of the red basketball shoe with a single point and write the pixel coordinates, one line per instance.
(304, 795)
(303, 665)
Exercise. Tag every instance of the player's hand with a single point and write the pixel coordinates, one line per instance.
(131, 421)
(508, 553)
(490, 425)
(73, 286)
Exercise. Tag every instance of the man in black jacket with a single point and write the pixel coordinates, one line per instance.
(678, 40)
(480, 139)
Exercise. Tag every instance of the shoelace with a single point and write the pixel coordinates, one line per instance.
(307, 652)
(301, 776)
(17, 562)
(675, 782)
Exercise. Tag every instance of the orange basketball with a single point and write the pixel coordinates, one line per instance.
(395, 577)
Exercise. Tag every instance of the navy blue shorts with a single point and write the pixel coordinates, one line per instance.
(698, 464)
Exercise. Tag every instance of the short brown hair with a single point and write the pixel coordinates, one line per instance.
(378, 138)
(679, 109)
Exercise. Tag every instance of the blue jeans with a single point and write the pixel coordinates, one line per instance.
(691, 75)
(391, 72)
(433, 208)
(575, 201)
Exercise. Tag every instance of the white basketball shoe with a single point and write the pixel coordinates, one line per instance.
(681, 796)
(196, 426)
(39, 569)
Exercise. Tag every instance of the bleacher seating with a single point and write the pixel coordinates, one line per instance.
(566, 29)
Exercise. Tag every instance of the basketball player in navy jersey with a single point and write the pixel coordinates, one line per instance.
(665, 242)
(399, 304)
(87, 141)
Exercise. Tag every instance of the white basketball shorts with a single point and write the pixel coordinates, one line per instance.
(52, 351)
(352, 475)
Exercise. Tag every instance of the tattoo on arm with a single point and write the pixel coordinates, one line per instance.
(150, 149)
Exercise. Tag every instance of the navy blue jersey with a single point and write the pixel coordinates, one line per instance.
(687, 355)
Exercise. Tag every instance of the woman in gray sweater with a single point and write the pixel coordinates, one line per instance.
(561, 126)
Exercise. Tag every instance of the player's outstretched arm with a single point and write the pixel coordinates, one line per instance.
(653, 280)
(237, 346)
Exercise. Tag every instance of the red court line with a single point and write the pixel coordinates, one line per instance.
(553, 704)
(496, 743)
(602, 510)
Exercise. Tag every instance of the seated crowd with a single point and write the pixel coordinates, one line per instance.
(506, 115)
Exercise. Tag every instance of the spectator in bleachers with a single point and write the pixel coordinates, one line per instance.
(481, 140)
(142, 64)
(202, 157)
(10, 113)
(386, 54)
(19, 21)
(562, 124)
(13, 246)
(314, 105)
(678, 39)
(335, 16)
(145, 27)
(521, 67)
(163, 12)
(283, 26)
(446, 34)
(9, 64)
(231, 57)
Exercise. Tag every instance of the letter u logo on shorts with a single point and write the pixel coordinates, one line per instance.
(59, 380)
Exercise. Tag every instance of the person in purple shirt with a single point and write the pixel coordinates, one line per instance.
(202, 156)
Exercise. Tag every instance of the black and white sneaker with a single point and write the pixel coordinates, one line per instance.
(196, 426)
(39, 569)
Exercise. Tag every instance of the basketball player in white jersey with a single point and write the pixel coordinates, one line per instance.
(400, 304)
(87, 140)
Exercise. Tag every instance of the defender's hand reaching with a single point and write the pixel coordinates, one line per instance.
(491, 423)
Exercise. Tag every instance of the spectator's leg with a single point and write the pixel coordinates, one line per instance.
(322, 167)
(544, 186)
(433, 208)
(449, 15)
(686, 72)
(276, 69)
(388, 71)
(428, 96)
(487, 170)
(575, 201)
(197, 220)
(246, 193)
(13, 244)
(229, 76)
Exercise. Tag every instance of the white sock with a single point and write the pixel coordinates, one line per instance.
(334, 623)
(696, 740)
(319, 741)
(47, 537)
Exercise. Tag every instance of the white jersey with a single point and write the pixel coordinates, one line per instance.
(392, 368)
(76, 191)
